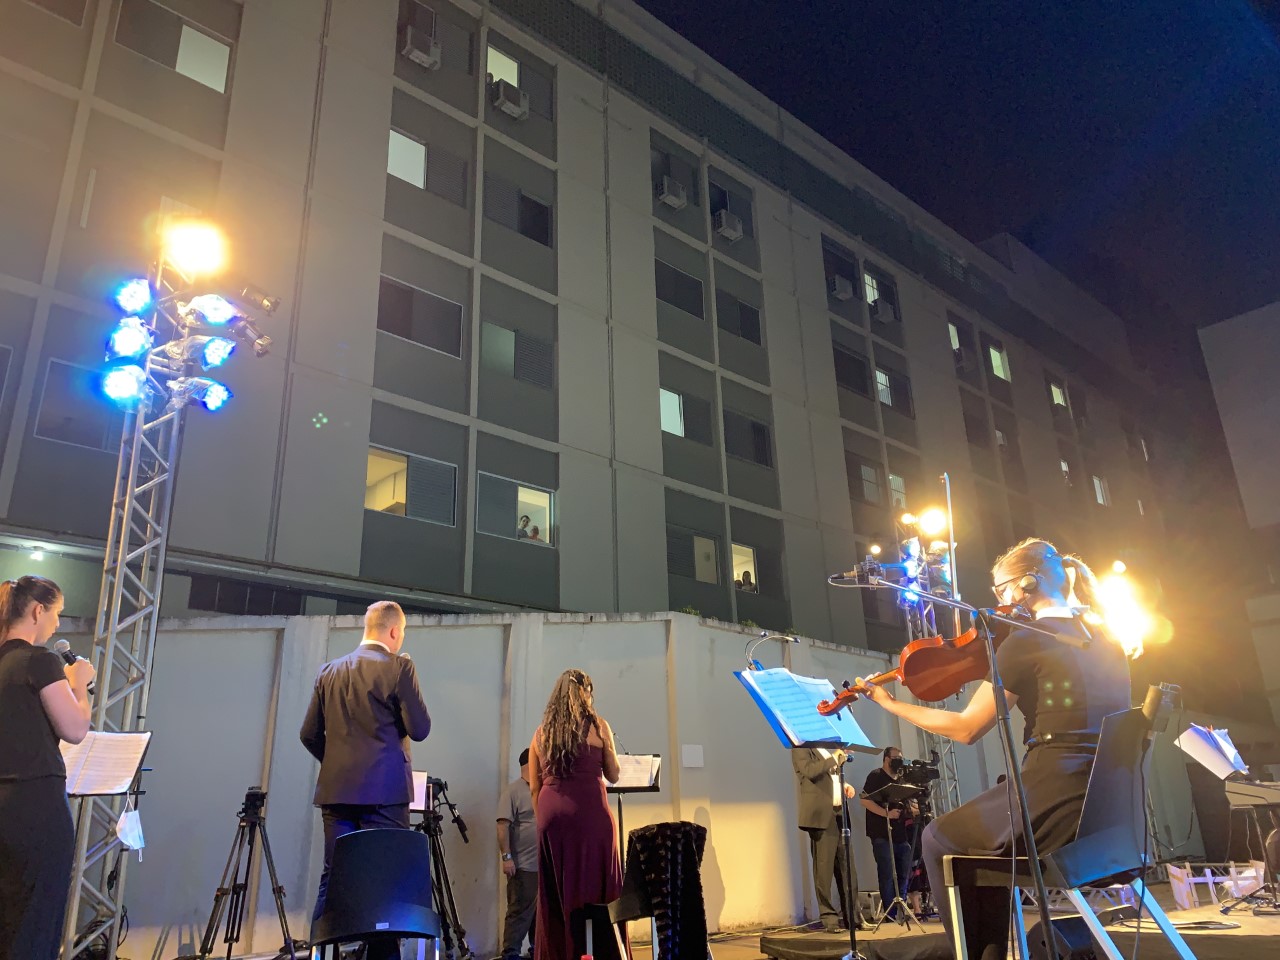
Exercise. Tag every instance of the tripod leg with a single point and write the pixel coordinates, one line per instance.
(277, 891)
(438, 895)
(235, 912)
(220, 894)
(446, 887)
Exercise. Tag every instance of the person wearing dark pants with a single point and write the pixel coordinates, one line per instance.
(817, 771)
(890, 842)
(42, 700)
(1064, 684)
(518, 847)
(364, 710)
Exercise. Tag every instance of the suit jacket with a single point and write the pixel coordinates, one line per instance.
(365, 709)
(814, 773)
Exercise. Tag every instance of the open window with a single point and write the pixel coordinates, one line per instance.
(744, 569)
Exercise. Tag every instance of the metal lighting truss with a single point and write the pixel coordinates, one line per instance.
(129, 600)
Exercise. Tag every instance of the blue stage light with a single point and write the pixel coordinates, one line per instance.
(134, 296)
(215, 351)
(213, 309)
(125, 384)
(131, 339)
(214, 396)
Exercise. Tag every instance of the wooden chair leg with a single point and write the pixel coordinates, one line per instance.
(957, 924)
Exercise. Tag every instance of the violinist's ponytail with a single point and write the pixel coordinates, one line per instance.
(17, 595)
(1085, 585)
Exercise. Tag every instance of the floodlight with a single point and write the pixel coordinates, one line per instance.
(125, 384)
(195, 248)
(256, 297)
(908, 519)
(247, 332)
(875, 549)
(134, 296)
(215, 351)
(1118, 567)
(131, 338)
(212, 309)
(932, 522)
(209, 393)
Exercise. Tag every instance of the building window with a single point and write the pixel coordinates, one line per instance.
(421, 317)
(514, 353)
(677, 168)
(671, 412)
(239, 598)
(507, 508)
(501, 66)
(507, 204)
(1100, 493)
(977, 428)
(884, 393)
(954, 333)
(1142, 445)
(678, 288)
(852, 370)
(721, 198)
(407, 486)
(407, 159)
(1141, 510)
(1058, 394)
(692, 555)
(738, 318)
(864, 479)
(744, 569)
(70, 10)
(897, 491)
(428, 168)
(164, 37)
(73, 410)
(841, 270)
(882, 295)
(1066, 471)
(1001, 440)
(999, 361)
(747, 439)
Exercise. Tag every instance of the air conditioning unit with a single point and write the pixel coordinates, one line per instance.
(728, 225)
(672, 193)
(510, 99)
(840, 288)
(882, 311)
(422, 48)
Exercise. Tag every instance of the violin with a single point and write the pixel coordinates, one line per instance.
(934, 668)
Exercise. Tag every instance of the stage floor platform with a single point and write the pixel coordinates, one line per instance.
(1248, 937)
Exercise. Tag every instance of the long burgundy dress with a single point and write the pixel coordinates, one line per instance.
(577, 857)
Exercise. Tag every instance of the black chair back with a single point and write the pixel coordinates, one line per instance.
(379, 885)
(1111, 843)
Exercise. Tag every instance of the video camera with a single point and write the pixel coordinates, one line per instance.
(921, 773)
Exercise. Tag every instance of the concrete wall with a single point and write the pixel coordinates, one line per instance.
(229, 695)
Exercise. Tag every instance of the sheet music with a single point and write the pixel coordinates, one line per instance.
(103, 764)
(793, 701)
(419, 802)
(1212, 749)
(638, 771)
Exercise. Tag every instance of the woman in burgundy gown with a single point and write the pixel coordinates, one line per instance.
(571, 755)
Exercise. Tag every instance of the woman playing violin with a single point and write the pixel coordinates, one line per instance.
(1063, 691)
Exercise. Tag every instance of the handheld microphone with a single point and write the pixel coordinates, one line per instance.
(63, 649)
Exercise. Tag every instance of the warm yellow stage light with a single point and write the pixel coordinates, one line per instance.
(932, 522)
(908, 519)
(195, 247)
(875, 549)
(1124, 614)
(1118, 567)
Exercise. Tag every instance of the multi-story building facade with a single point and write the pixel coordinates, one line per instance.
(538, 260)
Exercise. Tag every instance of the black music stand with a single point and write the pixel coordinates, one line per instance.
(789, 703)
(893, 793)
(638, 773)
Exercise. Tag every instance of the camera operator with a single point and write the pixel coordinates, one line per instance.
(365, 709)
(886, 828)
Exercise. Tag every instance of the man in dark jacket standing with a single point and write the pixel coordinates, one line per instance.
(365, 709)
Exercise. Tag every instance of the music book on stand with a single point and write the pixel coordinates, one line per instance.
(104, 764)
(790, 703)
(638, 773)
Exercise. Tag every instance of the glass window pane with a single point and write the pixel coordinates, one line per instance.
(884, 393)
(203, 59)
(744, 569)
(386, 482)
(672, 412)
(1059, 395)
(503, 67)
(706, 566)
(407, 159)
(954, 331)
(999, 364)
(872, 288)
(497, 349)
(870, 483)
(898, 491)
(536, 505)
(535, 220)
(1100, 490)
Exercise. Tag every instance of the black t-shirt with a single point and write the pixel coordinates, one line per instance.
(878, 826)
(28, 744)
(1063, 688)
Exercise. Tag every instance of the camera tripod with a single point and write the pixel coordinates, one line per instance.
(452, 931)
(232, 892)
(894, 792)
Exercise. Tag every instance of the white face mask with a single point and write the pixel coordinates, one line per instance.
(129, 830)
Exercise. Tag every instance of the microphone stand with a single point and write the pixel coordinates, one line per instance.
(1004, 722)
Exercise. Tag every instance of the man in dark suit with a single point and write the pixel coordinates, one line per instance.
(365, 709)
(820, 811)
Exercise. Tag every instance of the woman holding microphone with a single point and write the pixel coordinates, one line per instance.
(42, 700)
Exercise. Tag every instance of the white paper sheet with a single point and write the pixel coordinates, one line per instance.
(103, 764)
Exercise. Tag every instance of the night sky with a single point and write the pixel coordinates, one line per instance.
(1134, 145)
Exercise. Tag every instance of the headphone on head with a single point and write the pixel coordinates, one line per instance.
(1030, 582)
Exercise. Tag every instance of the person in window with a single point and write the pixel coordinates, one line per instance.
(42, 700)
(522, 528)
(746, 584)
(534, 535)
